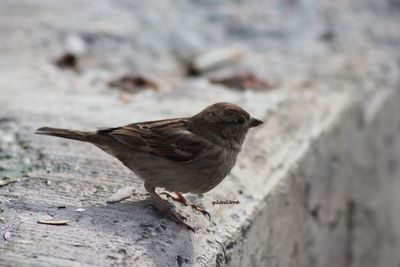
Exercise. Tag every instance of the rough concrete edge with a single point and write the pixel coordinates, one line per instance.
(357, 111)
(233, 248)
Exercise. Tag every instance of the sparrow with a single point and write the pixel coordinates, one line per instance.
(181, 155)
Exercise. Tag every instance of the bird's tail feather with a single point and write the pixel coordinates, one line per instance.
(70, 134)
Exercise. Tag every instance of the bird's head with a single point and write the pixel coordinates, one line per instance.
(226, 121)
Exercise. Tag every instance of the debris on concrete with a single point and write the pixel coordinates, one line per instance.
(121, 194)
(7, 180)
(53, 222)
(75, 45)
(6, 235)
(80, 210)
(132, 83)
(215, 59)
(67, 61)
(243, 81)
(180, 260)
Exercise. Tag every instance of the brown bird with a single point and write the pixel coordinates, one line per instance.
(181, 155)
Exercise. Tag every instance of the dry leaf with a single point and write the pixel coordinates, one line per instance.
(53, 222)
(243, 81)
(67, 60)
(7, 180)
(132, 83)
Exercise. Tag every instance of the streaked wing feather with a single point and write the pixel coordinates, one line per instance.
(171, 139)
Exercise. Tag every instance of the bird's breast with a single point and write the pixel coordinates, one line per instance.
(212, 169)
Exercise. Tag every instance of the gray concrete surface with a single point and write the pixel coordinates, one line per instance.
(317, 183)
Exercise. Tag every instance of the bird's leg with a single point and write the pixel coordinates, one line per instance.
(163, 207)
(181, 199)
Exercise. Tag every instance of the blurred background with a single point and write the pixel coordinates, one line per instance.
(293, 44)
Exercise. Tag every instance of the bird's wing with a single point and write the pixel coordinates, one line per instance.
(170, 138)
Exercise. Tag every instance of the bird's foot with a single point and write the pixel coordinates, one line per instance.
(179, 219)
(178, 198)
(163, 207)
(181, 199)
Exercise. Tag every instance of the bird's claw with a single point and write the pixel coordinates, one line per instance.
(190, 228)
(206, 213)
(183, 218)
(203, 211)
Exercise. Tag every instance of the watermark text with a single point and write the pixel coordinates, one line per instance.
(225, 202)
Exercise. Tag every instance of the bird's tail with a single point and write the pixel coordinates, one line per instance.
(70, 134)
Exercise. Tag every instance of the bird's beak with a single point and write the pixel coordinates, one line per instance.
(254, 122)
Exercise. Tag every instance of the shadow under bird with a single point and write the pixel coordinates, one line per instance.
(182, 155)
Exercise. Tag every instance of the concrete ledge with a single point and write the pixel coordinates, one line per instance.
(313, 183)
(335, 197)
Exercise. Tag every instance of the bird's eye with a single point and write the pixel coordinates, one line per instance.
(241, 120)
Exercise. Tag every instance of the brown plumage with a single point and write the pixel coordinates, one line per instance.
(181, 155)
